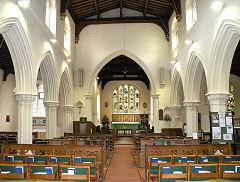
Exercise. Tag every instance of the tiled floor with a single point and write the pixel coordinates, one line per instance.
(122, 167)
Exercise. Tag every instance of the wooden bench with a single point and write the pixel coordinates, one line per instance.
(74, 172)
(37, 171)
(61, 150)
(13, 171)
(203, 171)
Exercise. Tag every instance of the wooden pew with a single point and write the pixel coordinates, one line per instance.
(203, 171)
(61, 150)
(173, 172)
(74, 172)
(205, 159)
(229, 171)
(154, 162)
(37, 171)
(13, 171)
(231, 159)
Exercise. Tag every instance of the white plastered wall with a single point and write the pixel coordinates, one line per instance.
(144, 43)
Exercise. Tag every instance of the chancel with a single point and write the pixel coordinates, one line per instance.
(119, 90)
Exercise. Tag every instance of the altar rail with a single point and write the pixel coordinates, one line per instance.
(61, 150)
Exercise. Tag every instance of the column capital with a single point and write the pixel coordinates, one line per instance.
(190, 104)
(68, 108)
(218, 101)
(217, 96)
(155, 96)
(51, 103)
(88, 96)
(26, 98)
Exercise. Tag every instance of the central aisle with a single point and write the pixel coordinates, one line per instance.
(122, 167)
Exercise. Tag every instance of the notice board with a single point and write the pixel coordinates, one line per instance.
(222, 127)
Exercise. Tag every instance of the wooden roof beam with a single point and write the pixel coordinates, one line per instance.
(177, 8)
(145, 8)
(160, 21)
(97, 9)
(121, 8)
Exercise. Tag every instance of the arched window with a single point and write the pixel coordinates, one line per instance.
(126, 99)
(191, 13)
(174, 32)
(50, 18)
(67, 35)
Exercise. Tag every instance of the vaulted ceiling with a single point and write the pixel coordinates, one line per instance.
(86, 12)
(122, 68)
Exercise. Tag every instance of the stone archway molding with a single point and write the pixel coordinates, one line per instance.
(224, 45)
(18, 45)
(131, 56)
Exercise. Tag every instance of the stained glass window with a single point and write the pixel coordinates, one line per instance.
(126, 99)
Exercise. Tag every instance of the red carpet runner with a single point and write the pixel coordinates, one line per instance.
(122, 167)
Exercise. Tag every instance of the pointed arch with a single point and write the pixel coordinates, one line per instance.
(193, 77)
(49, 77)
(225, 43)
(177, 93)
(65, 89)
(127, 54)
(18, 45)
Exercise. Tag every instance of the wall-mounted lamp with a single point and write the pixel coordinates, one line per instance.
(23, 3)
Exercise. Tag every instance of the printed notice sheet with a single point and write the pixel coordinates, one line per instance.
(216, 136)
(230, 129)
(228, 120)
(215, 117)
(222, 119)
(216, 133)
(227, 136)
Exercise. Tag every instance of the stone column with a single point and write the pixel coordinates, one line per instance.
(89, 112)
(191, 117)
(155, 117)
(68, 118)
(51, 118)
(24, 111)
(218, 102)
